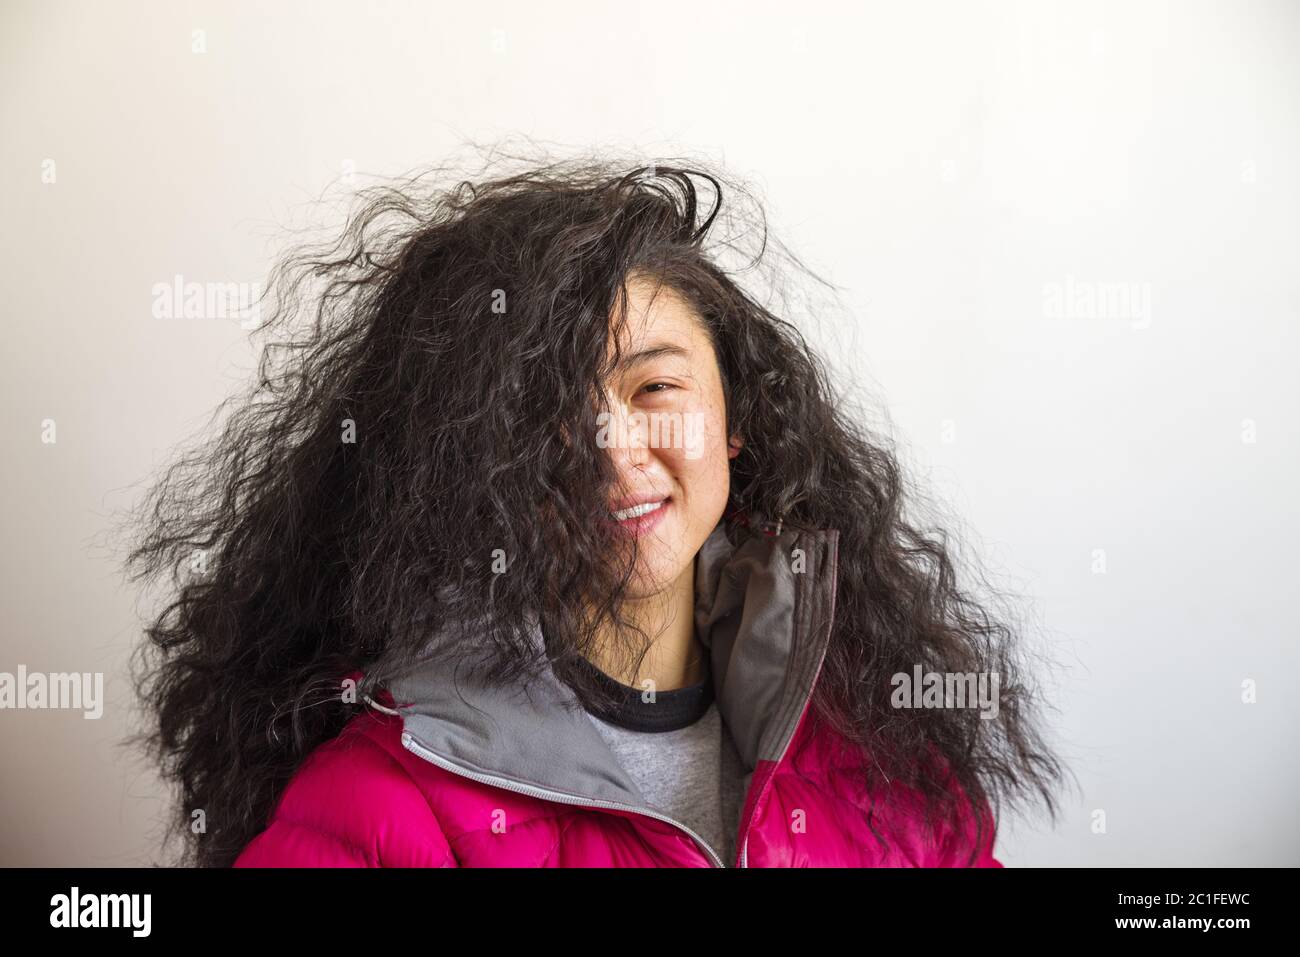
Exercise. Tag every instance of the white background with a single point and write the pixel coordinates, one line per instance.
(943, 163)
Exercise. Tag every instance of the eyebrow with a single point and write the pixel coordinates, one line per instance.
(649, 354)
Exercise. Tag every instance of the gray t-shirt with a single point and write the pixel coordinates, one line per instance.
(681, 755)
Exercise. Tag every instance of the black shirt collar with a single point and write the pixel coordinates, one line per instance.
(669, 711)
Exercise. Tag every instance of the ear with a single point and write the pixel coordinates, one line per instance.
(734, 445)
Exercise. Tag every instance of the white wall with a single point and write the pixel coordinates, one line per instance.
(947, 164)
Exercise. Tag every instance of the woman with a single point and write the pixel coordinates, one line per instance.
(547, 545)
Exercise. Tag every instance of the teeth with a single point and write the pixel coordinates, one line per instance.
(636, 511)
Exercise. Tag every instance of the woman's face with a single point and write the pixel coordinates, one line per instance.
(666, 431)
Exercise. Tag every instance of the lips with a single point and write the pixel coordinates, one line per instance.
(639, 516)
(622, 508)
(636, 511)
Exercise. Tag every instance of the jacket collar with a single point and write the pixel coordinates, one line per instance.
(763, 609)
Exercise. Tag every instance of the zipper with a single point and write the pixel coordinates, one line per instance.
(418, 749)
(744, 842)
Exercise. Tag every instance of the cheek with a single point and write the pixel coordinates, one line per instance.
(703, 470)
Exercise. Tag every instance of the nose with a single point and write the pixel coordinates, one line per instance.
(628, 438)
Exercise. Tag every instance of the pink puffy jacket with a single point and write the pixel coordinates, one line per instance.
(460, 774)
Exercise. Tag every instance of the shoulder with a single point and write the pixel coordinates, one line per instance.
(353, 802)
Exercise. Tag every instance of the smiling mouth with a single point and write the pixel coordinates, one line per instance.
(636, 511)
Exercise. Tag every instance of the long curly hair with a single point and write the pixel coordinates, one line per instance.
(422, 415)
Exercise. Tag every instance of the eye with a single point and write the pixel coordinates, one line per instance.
(654, 387)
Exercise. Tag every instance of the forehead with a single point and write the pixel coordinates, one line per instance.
(655, 312)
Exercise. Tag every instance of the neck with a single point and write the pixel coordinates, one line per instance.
(676, 657)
